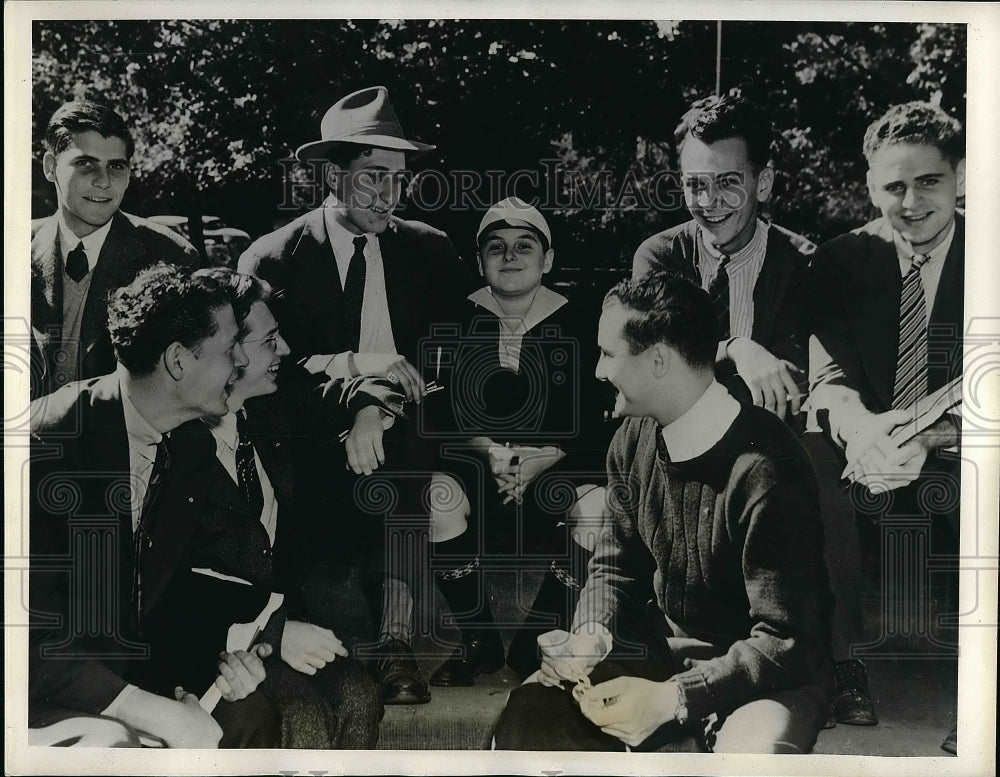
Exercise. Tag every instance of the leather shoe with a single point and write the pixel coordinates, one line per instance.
(950, 744)
(480, 652)
(852, 701)
(396, 671)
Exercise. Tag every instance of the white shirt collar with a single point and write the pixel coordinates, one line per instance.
(341, 237)
(545, 303)
(139, 430)
(703, 425)
(224, 430)
(92, 243)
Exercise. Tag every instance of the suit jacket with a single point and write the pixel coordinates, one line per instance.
(84, 639)
(132, 245)
(779, 296)
(855, 299)
(424, 278)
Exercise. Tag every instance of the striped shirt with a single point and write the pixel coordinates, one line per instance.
(743, 268)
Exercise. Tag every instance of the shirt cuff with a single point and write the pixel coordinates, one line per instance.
(337, 366)
(112, 709)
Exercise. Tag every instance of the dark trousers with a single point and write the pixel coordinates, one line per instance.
(338, 708)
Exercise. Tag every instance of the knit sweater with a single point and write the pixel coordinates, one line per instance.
(730, 545)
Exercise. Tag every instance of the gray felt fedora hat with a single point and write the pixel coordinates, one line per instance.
(363, 118)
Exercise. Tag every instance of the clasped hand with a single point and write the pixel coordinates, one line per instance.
(241, 672)
(513, 478)
(878, 462)
(630, 708)
(307, 647)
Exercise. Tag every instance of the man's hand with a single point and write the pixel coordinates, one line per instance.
(395, 368)
(771, 380)
(567, 656)
(241, 672)
(180, 723)
(876, 460)
(884, 467)
(363, 445)
(515, 479)
(307, 647)
(630, 708)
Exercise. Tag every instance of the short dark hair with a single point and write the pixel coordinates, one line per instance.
(719, 117)
(920, 123)
(164, 304)
(85, 116)
(669, 309)
(243, 290)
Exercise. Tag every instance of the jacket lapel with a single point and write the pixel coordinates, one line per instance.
(106, 450)
(191, 484)
(397, 266)
(318, 281)
(115, 267)
(46, 284)
(876, 317)
(770, 287)
(946, 323)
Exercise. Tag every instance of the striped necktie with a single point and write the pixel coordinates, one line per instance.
(911, 362)
(718, 290)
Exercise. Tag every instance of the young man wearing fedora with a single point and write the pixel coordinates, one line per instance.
(359, 289)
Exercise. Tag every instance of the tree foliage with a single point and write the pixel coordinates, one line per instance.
(217, 105)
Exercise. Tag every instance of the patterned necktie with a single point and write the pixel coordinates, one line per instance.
(77, 265)
(141, 538)
(718, 290)
(246, 467)
(354, 293)
(911, 363)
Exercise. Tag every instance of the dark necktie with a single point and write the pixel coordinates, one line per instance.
(354, 293)
(718, 290)
(161, 466)
(246, 467)
(77, 266)
(911, 362)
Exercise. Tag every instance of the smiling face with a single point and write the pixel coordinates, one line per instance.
(91, 177)
(513, 261)
(630, 374)
(265, 348)
(213, 367)
(722, 189)
(369, 188)
(916, 188)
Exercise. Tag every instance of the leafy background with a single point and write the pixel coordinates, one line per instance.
(217, 105)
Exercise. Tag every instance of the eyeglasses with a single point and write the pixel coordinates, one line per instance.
(271, 341)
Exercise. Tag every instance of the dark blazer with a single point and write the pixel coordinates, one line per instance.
(779, 296)
(202, 520)
(81, 550)
(132, 245)
(854, 302)
(424, 277)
